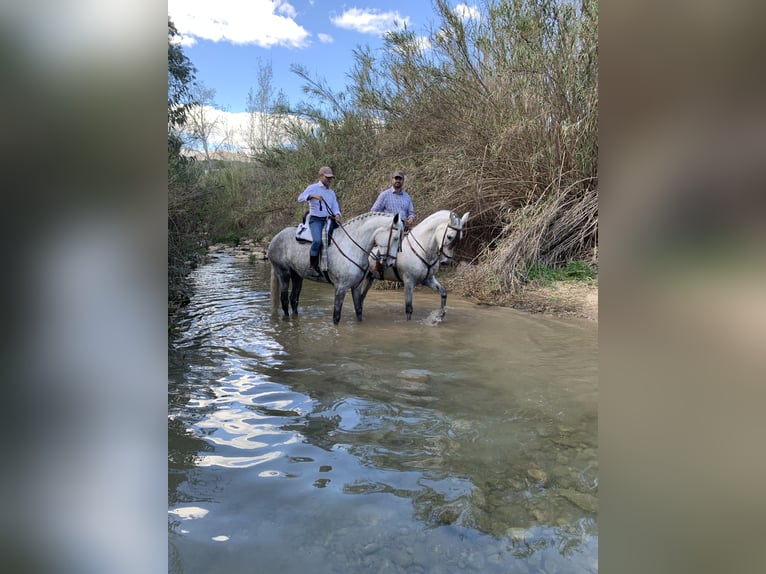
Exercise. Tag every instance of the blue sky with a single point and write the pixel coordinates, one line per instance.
(226, 39)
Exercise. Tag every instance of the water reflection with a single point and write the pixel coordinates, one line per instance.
(379, 445)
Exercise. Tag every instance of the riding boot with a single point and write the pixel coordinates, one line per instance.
(314, 259)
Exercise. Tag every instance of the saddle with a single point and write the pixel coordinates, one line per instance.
(303, 235)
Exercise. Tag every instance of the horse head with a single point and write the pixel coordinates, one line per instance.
(451, 234)
(388, 239)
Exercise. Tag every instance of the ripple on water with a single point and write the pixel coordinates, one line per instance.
(467, 446)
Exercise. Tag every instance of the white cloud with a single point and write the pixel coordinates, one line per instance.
(423, 43)
(231, 129)
(325, 38)
(369, 21)
(265, 23)
(467, 12)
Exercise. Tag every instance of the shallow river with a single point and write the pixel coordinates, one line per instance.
(298, 446)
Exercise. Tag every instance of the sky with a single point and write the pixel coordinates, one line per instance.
(227, 40)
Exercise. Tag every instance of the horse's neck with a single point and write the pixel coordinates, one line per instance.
(429, 239)
(362, 235)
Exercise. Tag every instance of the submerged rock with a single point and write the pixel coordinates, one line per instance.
(418, 375)
(537, 475)
(582, 500)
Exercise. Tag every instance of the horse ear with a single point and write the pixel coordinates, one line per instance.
(465, 218)
(396, 219)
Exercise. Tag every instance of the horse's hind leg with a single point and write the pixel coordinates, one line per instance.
(356, 294)
(296, 292)
(340, 294)
(365, 285)
(284, 284)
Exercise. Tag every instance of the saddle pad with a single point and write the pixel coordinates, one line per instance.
(303, 233)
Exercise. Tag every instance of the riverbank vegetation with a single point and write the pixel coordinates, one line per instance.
(497, 116)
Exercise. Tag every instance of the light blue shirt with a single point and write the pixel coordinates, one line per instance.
(319, 208)
(392, 202)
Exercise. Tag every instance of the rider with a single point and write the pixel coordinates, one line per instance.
(322, 205)
(396, 200)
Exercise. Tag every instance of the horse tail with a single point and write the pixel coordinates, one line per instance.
(274, 288)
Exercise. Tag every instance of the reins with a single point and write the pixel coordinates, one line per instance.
(441, 246)
(365, 269)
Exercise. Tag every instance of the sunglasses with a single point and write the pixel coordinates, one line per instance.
(398, 177)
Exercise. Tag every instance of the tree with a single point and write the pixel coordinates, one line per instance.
(202, 124)
(185, 224)
(265, 107)
(181, 75)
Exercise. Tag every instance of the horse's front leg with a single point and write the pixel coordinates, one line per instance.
(436, 286)
(409, 287)
(296, 292)
(340, 294)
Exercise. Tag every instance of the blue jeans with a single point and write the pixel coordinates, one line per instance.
(316, 224)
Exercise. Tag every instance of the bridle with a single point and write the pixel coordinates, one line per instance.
(376, 256)
(441, 251)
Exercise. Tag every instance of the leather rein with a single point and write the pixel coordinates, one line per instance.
(428, 265)
(377, 257)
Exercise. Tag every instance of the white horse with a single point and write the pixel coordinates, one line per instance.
(347, 259)
(431, 243)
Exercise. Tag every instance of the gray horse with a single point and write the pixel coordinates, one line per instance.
(347, 259)
(431, 243)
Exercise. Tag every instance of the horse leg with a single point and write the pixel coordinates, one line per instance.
(296, 292)
(340, 294)
(280, 283)
(409, 287)
(436, 286)
(356, 294)
(366, 284)
(364, 287)
(283, 297)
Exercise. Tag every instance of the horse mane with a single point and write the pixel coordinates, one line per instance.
(440, 213)
(365, 216)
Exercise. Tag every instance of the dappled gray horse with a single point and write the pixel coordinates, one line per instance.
(347, 259)
(430, 244)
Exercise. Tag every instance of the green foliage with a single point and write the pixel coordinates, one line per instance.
(542, 274)
(575, 270)
(181, 74)
(229, 239)
(185, 195)
(579, 270)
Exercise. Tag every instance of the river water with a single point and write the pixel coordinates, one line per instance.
(298, 446)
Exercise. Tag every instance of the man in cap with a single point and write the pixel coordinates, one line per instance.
(323, 205)
(396, 200)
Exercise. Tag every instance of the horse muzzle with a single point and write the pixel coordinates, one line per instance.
(389, 260)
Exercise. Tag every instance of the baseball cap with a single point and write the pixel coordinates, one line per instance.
(326, 171)
(398, 174)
